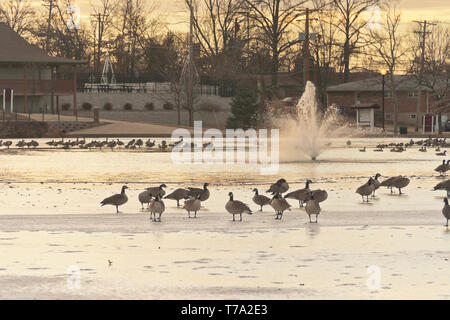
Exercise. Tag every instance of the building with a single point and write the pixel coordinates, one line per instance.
(369, 91)
(27, 70)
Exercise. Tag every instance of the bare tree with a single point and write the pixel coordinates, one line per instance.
(433, 69)
(390, 51)
(274, 20)
(19, 15)
(351, 24)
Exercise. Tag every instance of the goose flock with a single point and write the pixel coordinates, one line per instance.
(308, 199)
(436, 143)
(133, 144)
(193, 198)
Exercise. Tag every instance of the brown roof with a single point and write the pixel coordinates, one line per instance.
(15, 49)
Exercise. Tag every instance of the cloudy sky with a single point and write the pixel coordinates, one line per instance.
(176, 14)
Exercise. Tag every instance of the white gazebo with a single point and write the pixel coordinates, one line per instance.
(365, 114)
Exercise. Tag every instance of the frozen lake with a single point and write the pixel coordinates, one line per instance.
(51, 220)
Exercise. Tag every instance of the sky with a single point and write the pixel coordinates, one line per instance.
(177, 15)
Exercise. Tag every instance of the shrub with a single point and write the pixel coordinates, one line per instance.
(86, 106)
(128, 106)
(108, 106)
(168, 106)
(66, 106)
(244, 109)
(149, 106)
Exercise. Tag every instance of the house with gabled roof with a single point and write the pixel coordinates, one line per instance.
(33, 75)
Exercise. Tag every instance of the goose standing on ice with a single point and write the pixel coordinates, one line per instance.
(441, 153)
(376, 184)
(319, 195)
(192, 204)
(300, 194)
(388, 183)
(236, 207)
(444, 185)
(446, 211)
(312, 207)
(177, 195)
(116, 200)
(366, 190)
(400, 182)
(281, 186)
(279, 204)
(259, 199)
(443, 168)
(204, 193)
(156, 207)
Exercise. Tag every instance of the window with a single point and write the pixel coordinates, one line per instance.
(387, 116)
(412, 116)
(358, 95)
(413, 94)
(374, 94)
(388, 94)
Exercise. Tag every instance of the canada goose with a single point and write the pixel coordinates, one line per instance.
(139, 143)
(363, 149)
(441, 153)
(437, 149)
(312, 207)
(319, 195)
(388, 182)
(279, 204)
(177, 195)
(145, 197)
(281, 186)
(366, 189)
(348, 143)
(442, 168)
(7, 144)
(204, 193)
(157, 190)
(446, 211)
(236, 207)
(376, 184)
(259, 199)
(156, 206)
(423, 149)
(192, 204)
(21, 144)
(117, 199)
(378, 150)
(444, 185)
(400, 182)
(300, 194)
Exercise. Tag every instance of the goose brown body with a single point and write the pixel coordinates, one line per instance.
(116, 200)
(204, 193)
(177, 195)
(301, 194)
(192, 204)
(312, 207)
(280, 187)
(235, 207)
(260, 200)
(279, 204)
(156, 206)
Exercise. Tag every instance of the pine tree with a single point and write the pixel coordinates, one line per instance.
(244, 109)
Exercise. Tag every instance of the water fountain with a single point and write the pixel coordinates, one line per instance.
(306, 131)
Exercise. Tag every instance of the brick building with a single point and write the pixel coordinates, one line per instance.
(33, 75)
(369, 91)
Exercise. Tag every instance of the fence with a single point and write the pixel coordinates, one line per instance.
(204, 90)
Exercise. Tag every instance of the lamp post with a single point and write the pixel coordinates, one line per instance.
(383, 73)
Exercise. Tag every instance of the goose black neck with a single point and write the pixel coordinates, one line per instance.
(231, 197)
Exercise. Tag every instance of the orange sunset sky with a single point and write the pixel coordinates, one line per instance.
(175, 12)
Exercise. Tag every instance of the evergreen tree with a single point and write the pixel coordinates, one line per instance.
(244, 109)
